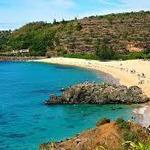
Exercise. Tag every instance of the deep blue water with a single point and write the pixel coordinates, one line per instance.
(25, 122)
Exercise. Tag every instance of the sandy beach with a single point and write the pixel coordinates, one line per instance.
(128, 73)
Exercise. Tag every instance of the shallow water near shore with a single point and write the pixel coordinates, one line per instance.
(25, 122)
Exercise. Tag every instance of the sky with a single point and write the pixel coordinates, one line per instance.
(15, 13)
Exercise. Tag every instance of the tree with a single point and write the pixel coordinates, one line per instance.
(63, 21)
(54, 21)
(41, 42)
(78, 26)
(147, 51)
(104, 50)
(76, 19)
(4, 37)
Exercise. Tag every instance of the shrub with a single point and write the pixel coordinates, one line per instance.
(147, 56)
(137, 146)
(81, 56)
(130, 136)
(147, 51)
(122, 123)
(78, 26)
(105, 53)
(104, 50)
(131, 55)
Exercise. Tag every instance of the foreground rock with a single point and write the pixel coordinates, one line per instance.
(90, 93)
(107, 135)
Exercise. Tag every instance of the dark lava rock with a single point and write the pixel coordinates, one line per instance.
(91, 93)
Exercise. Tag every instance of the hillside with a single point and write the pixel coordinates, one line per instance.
(122, 33)
(4, 37)
(106, 136)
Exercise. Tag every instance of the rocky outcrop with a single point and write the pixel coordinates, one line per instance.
(90, 93)
(108, 136)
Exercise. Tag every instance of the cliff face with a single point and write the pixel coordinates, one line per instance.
(107, 136)
(90, 93)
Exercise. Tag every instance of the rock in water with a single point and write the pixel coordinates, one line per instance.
(91, 93)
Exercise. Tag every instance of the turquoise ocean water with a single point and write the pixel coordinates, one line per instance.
(25, 122)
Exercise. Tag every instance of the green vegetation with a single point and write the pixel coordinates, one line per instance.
(115, 56)
(127, 133)
(132, 55)
(147, 51)
(132, 136)
(39, 37)
(122, 123)
(137, 146)
(4, 36)
(35, 36)
(107, 37)
(103, 50)
(82, 56)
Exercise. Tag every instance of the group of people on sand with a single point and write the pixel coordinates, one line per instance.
(141, 76)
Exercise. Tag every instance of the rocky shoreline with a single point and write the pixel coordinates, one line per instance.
(11, 58)
(142, 115)
(93, 93)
